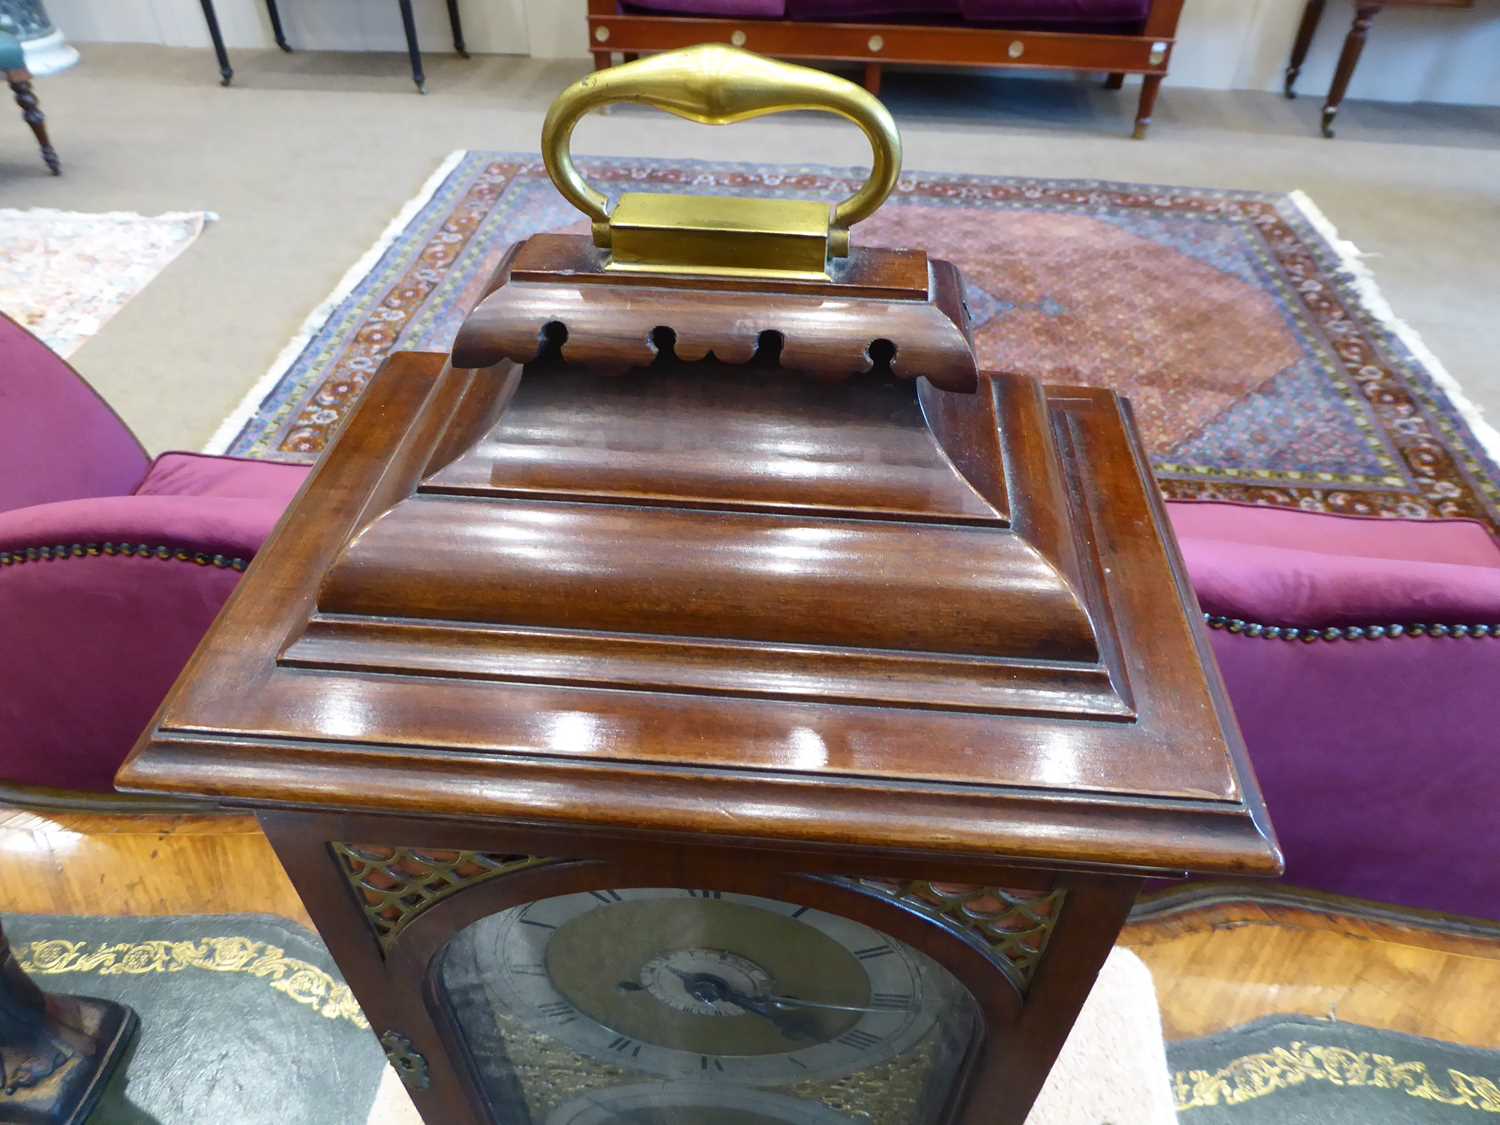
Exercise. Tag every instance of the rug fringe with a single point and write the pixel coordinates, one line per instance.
(1351, 260)
(203, 217)
(230, 428)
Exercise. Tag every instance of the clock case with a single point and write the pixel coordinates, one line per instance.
(753, 585)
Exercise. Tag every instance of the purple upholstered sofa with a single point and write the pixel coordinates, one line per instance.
(112, 565)
(1376, 747)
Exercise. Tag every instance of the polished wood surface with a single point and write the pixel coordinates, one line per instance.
(1224, 956)
(1365, 12)
(616, 321)
(875, 44)
(54, 862)
(1157, 782)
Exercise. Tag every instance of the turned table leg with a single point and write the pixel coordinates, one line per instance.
(1354, 45)
(1150, 85)
(31, 113)
(57, 1053)
(1311, 15)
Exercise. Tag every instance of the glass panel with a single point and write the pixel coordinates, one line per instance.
(650, 1006)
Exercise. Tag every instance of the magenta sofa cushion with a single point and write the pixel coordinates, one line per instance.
(200, 474)
(850, 11)
(58, 439)
(104, 636)
(1326, 581)
(741, 9)
(1055, 11)
(1032, 13)
(1376, 756)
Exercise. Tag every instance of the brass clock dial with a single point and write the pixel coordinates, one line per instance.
(688, 984)
(677, 1104)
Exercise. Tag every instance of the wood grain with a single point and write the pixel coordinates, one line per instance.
(1220, 962)
(90, 863)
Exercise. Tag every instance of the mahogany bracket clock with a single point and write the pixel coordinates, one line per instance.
(705, 695)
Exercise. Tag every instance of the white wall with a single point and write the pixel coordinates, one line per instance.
(490, 26)
(1414, 54)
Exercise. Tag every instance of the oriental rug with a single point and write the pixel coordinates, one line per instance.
(64, 273)
(1290, 1070)
(1263, 365)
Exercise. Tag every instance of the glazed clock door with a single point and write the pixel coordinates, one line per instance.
(652, 1006)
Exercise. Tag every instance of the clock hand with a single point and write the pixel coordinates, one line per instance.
(709, 989)
(795, 1002)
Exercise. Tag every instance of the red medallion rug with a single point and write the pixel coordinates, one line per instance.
(1262, 363)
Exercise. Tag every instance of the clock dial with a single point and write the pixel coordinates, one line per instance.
(706, 985)
(677, 1104)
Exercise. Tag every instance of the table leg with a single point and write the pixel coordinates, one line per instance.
(57, 1053)
(280, 35)
(1311, 15)
(1115, 81)
(873, 74)
(412, 49)
(458, 29)
(1354, 44)
(1150, 84)
(226, 72)
(31, 112)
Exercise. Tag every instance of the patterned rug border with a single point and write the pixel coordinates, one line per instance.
(1362, 279)
(1469, 434)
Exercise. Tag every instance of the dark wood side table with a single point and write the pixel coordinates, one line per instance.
(408, 22)
(1354, 44)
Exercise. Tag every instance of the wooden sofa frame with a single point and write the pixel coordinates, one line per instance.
(876, 44)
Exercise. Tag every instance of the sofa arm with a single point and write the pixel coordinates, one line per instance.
(1274, 566)
(103, 601)
(1375, 749)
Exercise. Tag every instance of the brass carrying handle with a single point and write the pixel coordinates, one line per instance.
(718, 85)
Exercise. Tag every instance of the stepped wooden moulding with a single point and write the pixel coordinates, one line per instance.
(716, 697)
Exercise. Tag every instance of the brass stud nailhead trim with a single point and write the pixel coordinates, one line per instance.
(21, 555)
(1345, 632)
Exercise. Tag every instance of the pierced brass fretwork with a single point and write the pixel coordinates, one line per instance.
(395, 885)
(1014, 925)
